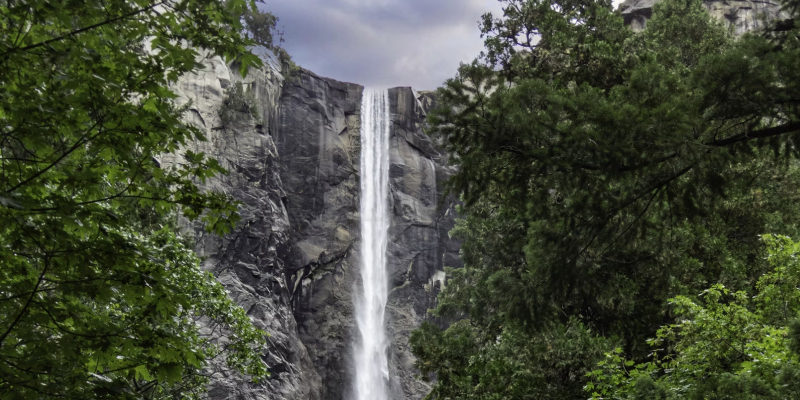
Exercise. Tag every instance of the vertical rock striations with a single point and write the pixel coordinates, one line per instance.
(246, 261)
(419, 245)
(292, 261)
(318, 141)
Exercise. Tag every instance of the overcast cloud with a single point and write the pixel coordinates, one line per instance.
(383, 43)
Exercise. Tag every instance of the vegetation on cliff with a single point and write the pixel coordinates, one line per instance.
(99, 292)
(616, 186)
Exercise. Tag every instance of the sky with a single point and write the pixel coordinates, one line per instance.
(382, 43)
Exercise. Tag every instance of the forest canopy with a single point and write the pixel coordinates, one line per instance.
(616, 185)
(100, 291)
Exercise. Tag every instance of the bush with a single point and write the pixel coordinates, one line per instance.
(237, 100)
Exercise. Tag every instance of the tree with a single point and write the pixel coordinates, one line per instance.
(732, 346)
(261, 28)
(604, 172)
(99, 291)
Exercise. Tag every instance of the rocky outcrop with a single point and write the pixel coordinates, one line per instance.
(318, 139)
(419, 245)
(292, 261)
(247, 261)
(742, 16)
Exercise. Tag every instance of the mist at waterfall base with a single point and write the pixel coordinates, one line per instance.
(371, 363)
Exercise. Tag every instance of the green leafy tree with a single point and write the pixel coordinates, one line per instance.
(261, 28)
(731, 346)
(99, 293)
(604, 172)
(237, 100)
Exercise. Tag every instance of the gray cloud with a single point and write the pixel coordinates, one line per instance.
(383, 43)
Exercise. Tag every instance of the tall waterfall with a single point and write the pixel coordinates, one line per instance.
(372, 367)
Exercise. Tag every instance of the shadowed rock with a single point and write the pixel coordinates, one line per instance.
(247, 261)
(742, 16)
(318, 139)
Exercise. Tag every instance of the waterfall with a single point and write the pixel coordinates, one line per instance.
(372, 366)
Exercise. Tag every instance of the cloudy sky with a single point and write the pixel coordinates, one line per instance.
(383, 43)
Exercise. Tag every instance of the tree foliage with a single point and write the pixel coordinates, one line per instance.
(237, 100)
(261, 26)
(99, 293)
(604, 172)
(731, 346)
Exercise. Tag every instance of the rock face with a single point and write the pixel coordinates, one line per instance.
(292, 261)
(318, 140)
(743, 16)
(246, 261)
(419, 245)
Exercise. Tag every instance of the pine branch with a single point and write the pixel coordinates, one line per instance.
(759, 134)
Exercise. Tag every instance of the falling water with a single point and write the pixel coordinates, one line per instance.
(372, 367)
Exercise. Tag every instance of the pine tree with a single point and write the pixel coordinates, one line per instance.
(604, 172)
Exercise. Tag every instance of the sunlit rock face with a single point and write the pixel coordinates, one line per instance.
(743, 16)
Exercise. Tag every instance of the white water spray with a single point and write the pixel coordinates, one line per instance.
(372, 366)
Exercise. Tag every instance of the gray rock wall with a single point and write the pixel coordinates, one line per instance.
(292, 261)
(247, 261)
(419, 246)
(318, 139)
(742, 16)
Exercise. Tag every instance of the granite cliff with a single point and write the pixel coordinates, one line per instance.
(293, 162)
(318, 140)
